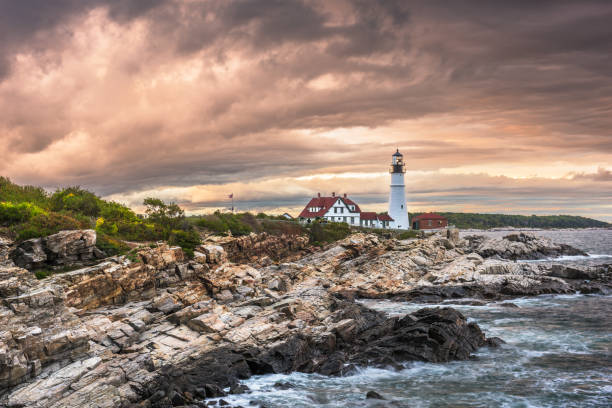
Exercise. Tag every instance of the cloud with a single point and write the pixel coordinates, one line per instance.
(127, 97)
(426, 191)
(602, 174)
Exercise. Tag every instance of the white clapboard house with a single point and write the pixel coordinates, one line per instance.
(342, 209)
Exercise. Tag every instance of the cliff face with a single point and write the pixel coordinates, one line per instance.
(263, 248)
(167, 331)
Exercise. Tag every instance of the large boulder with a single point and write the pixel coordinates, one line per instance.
(66, 248)
(71, 247)
(30, 254)
(520, 246)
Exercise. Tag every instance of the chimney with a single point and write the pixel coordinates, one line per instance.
(319, 195)
(344, 195)
(333, 194)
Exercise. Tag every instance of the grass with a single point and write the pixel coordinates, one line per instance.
(244, 223)
(47, 272)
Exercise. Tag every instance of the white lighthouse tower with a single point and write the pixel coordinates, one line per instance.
(397, 195)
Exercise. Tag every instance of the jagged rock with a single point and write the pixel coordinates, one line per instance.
(167, 331)
(522, 246)
(215, 254)
(263, 248)
(30, 254)
(200, 257)
(571, 272)
(66, 248)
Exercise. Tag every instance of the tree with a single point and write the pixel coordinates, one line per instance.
(169, 216)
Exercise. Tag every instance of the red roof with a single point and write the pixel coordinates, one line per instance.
(374, 216)
(385, 217)
(428, 216)
(368, 215)
(324, 203)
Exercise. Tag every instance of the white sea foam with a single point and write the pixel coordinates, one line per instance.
(567, 258)
(528, 371)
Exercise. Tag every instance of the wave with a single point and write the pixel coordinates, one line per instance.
(567, 258)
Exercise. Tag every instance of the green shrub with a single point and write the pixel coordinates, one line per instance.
(132, 255)
(249, 220)
(111, 246)
(13, 193)
(43, 273)
(112, 211)
(280, 227)
(328, 232)
(219, 223)
(213, 223)
(42, 225)
(11, 213)
(408, 234)
(235, 225)
(187, 240)
(77, 200)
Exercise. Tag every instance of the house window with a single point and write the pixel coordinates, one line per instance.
(402, 206)
(352, 220)
(335, 210)
(429, 223)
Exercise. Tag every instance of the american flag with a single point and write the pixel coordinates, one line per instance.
(231, 195)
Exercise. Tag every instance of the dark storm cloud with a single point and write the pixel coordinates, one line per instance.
(42, 24)
(174, 93)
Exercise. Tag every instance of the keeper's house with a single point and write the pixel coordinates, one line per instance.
(429, 221)
(342, 209)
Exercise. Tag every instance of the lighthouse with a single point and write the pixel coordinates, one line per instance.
(397, 195)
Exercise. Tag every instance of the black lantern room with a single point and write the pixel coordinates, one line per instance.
(397, 163)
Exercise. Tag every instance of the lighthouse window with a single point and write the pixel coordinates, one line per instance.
(402, 206)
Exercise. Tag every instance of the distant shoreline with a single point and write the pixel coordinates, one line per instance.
(527, 229)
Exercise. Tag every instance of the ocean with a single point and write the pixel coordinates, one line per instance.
(558, 353)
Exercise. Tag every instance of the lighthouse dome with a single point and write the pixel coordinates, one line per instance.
(397, 154)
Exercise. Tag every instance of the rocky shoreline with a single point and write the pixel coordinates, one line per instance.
(167, 331)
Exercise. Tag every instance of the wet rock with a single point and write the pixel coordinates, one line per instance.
(283, 385)
(169, 331)
(494, 342)
(572, 272)
(239, 389)
(374, 395)
(523, 246)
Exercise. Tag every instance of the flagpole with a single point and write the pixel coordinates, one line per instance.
(232, 203)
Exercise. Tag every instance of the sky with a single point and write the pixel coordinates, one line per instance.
(497, 106)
